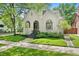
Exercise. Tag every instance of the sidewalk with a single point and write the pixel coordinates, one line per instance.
(68, 41)
(40, 47)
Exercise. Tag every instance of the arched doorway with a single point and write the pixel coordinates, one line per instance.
(36, 26)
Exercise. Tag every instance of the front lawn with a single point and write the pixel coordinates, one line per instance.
(2, 45)
(19, 51)
(13, 38)
(50, 41)
(75, 40)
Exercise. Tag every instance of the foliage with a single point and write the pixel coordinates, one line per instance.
(19, 25)
(74, 36)
(8, 15)
(50, 41)
(34, 6)
(20, 51)
(10, 12)
(75, 40)
(15, 38)
(64, 24)
(67, 10)
(48, 35)
(2, 45)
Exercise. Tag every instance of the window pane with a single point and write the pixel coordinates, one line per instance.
(49, 24)
(27, 24)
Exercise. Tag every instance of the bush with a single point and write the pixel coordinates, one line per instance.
(49, 35)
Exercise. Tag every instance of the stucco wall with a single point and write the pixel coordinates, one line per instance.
(52, 15)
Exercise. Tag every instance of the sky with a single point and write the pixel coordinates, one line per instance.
(52, 5)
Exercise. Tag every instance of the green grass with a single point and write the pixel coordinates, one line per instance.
(19, 51)
(75, 40)
(2, 45)
(50, 41)
(13, 38)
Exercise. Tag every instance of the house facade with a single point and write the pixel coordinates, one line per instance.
(45, 21)
(75, 23)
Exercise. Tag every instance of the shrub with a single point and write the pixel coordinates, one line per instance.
(49, 35)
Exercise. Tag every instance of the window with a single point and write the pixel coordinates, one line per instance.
(44, 12)
(27, 24)
(49, 24)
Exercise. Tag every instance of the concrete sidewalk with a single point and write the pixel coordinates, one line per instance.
(68, 41)
(39, 47)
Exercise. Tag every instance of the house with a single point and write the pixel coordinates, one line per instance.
(75, 23)
(45, 21)
(3, 27)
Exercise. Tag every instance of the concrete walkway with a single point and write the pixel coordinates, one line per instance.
(68, 41)
(38, 46)
(3, 48)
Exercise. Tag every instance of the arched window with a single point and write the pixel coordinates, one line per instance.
(49, 25)
(44, 12)
(27, 24)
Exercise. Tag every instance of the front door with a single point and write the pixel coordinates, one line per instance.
(36, 26)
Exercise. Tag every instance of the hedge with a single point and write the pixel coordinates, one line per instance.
(48, 35)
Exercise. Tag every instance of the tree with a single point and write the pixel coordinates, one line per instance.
(11, 11)
(9, 14)
(67, 10)
(64, 24)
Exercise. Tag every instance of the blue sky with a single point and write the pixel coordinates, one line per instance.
(52, 5)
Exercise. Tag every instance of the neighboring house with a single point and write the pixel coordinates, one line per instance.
(75, 23)
(3, 28)
(47, 21)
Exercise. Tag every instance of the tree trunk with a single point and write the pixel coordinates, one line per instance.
(14, 25)
(13, 18)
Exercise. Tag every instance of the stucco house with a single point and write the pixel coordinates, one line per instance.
(45, 21)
